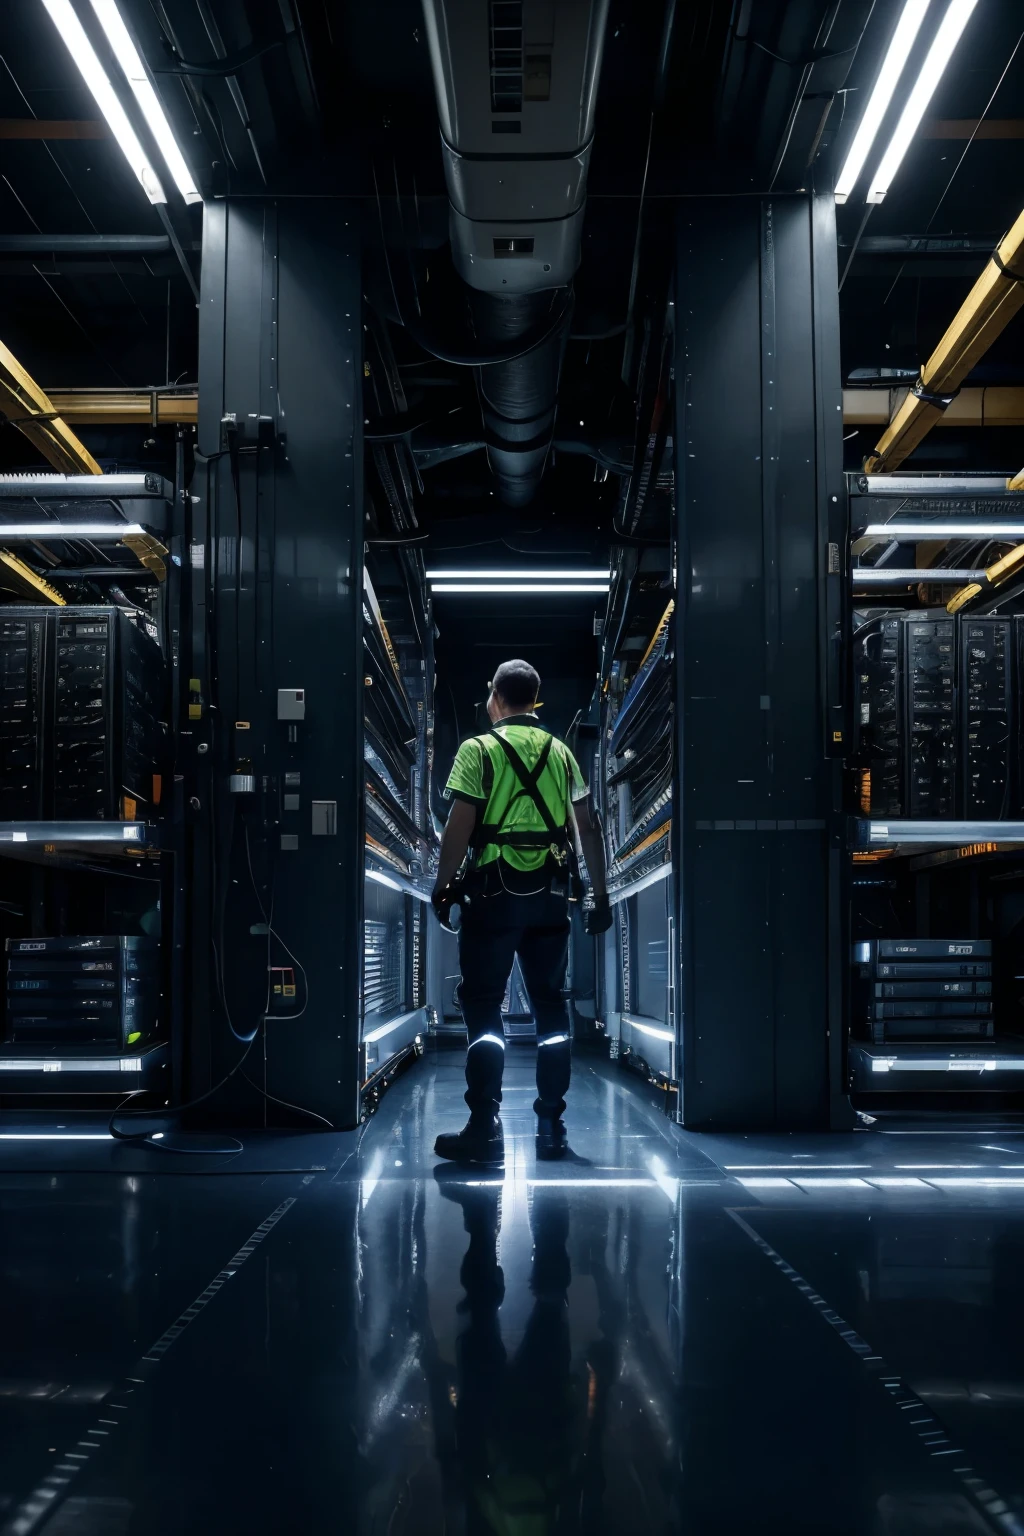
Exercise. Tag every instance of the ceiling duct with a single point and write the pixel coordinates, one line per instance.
(516, 84)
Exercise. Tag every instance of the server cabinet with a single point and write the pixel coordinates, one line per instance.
(23, 653)
(759, 464)
(988, 694)
(929, 723)
(85, 729)
(275, 601)
(877, 676)
(936, 885)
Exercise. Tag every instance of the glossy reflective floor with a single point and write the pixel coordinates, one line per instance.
(663, 1333)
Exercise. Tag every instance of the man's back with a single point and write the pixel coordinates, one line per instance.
(485, 773)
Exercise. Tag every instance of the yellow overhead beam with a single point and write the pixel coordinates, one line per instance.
(53, 128)
(998, 405)
(26, 406)
(149, 552)
(112, 407)
(28, 578)
(1005, 567)
(989, 307)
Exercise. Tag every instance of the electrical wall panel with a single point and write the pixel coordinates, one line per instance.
(83, 730)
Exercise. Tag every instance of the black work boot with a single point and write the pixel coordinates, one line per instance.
(481, 1140)
(552, 1141)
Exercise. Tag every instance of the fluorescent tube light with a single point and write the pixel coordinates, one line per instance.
(95, 76)
(128, 57)
(518, 576)
(375, 874)
(962, 529)
(69, 530)
(55, 1136)
(939, 54)
(526, 586)
(942, 1064)
(893, 64)
(74, 1064)
(648, 1029)
(886, 576)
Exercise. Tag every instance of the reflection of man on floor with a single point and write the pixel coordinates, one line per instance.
(520, 1424)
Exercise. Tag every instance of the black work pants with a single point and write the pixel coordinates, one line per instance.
(494, 930)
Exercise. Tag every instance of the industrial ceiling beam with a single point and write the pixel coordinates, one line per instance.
(971, 128)
(921, 245)
(52, 128)
(41, 244)
(994, 406)
(126, 407)
(26, 407)
(989, 307)
(1005, 569)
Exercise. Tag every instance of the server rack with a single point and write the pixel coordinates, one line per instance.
(400, 842)
(633, 773)
(934, 937)
(91, 834)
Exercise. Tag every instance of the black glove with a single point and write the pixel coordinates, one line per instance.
(442, 902)
(598, 918)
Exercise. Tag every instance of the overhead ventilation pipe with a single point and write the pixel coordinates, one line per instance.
(516, 84)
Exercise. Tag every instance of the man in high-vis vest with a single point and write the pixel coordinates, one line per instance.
(518, 800)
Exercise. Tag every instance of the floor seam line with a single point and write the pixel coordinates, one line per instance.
(34, 1511)
(981, 1496)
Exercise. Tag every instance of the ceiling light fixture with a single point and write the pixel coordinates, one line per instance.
(884, 576)
(95, 76)
(893, 64)
(962, 528)
(10, 531)
(526, 586)
(130, 60)
(518, 576)
(939, 54)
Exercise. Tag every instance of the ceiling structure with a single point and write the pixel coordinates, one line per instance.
(337, 99)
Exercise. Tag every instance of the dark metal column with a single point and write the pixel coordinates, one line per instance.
(758, 447)
(280, 516)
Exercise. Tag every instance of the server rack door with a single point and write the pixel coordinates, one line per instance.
(277, 627)
(758, 463)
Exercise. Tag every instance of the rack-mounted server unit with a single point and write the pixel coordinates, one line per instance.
(91, 990)
(82, 716)
(923, 989)
(936, 714)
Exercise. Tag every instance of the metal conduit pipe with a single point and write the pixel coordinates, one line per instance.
(516, 86)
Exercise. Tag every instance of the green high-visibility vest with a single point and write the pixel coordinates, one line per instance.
(510, 824)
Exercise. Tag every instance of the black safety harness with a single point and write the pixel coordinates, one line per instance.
(556, 837)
